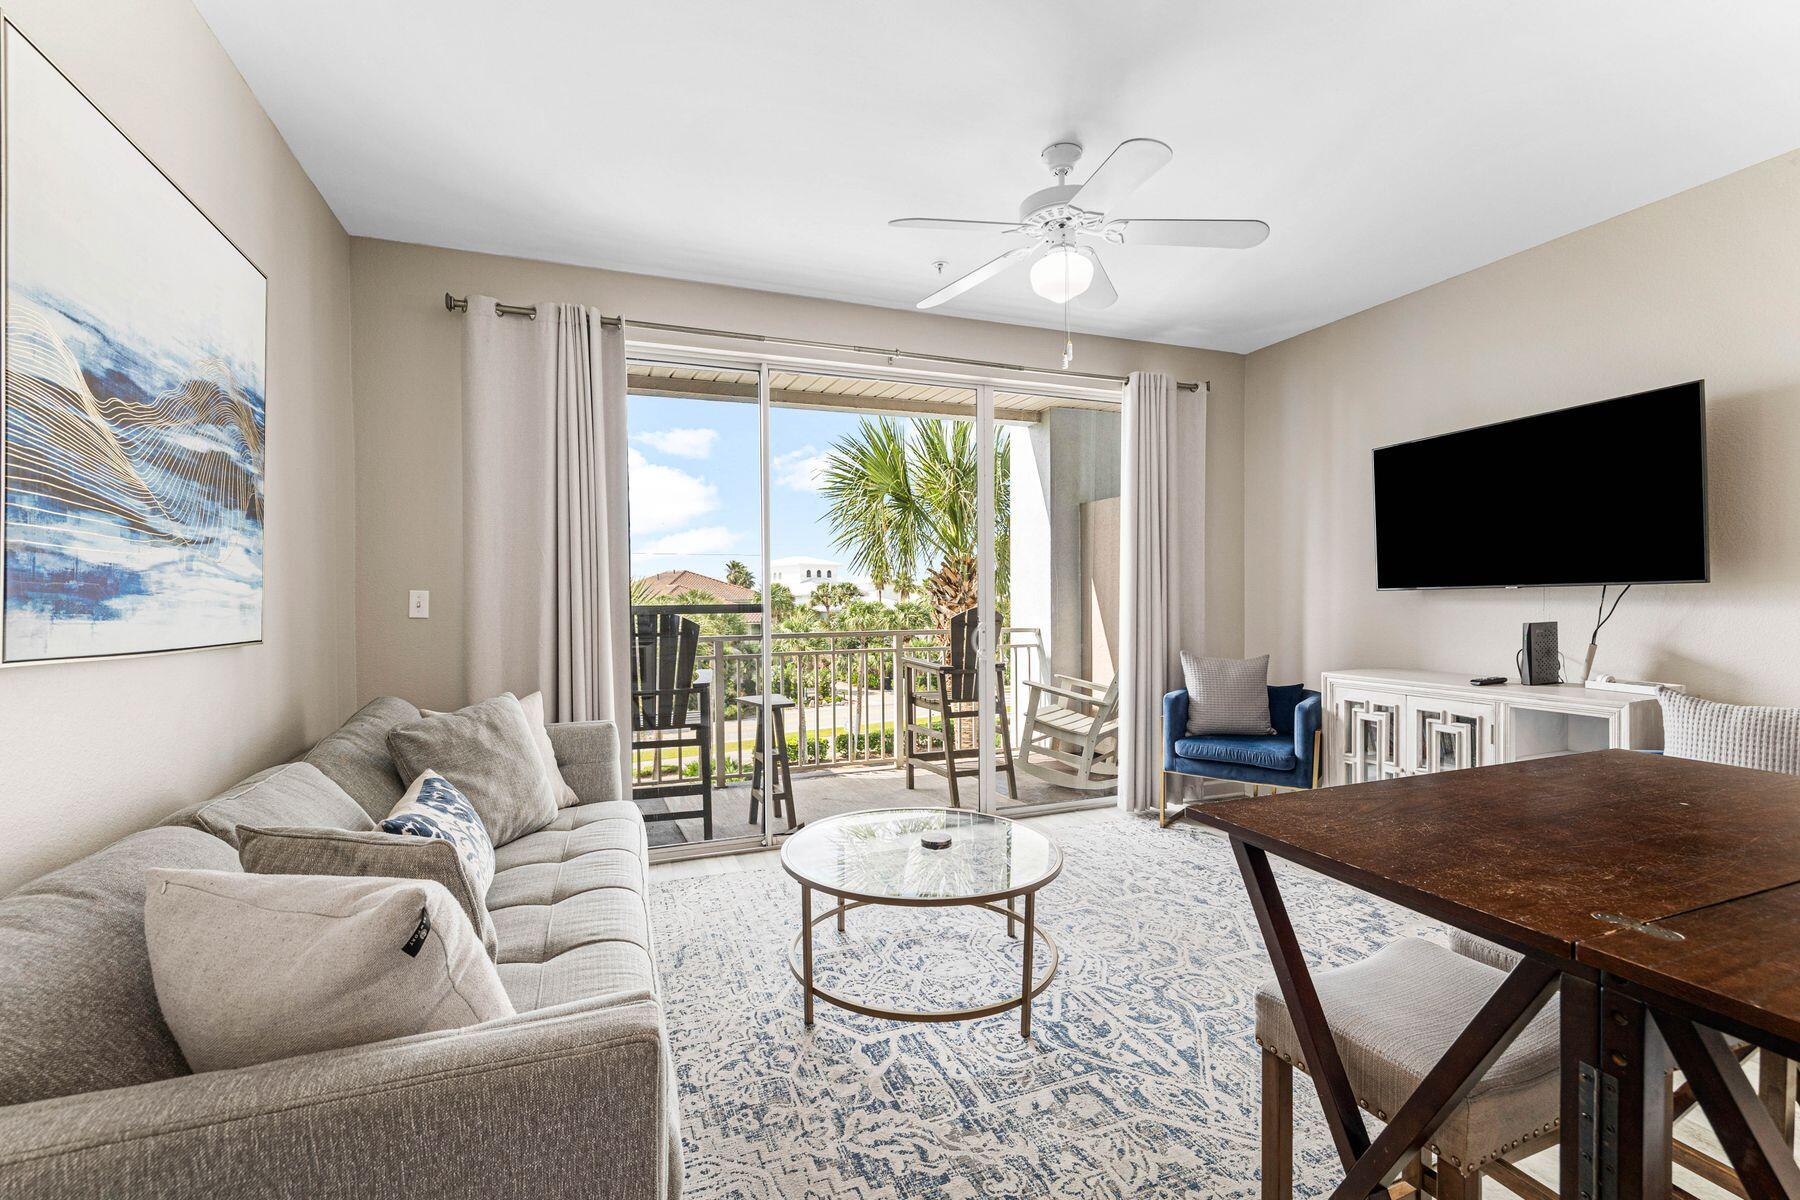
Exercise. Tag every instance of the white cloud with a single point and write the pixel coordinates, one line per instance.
(802, 470)
(682, 443)
(664, 498)
(708, 539)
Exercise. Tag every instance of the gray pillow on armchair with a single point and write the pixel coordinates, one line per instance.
(1227, 695)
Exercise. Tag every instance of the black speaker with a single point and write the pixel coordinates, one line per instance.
(1539, 661)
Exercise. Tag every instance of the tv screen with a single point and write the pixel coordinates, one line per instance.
(1613, 492)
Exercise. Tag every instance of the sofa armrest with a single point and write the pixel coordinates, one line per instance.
(1174, 724)
(1307, 715)
(587, 754)
(572, 1100)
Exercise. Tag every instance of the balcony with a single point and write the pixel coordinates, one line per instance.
(840, 733)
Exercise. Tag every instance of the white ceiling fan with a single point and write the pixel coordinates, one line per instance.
(1058, 221)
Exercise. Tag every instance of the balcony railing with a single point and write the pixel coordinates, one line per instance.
(843, 684)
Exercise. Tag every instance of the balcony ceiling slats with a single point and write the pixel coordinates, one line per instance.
(803, 390)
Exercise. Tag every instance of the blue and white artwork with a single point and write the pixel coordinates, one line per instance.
(134, 424)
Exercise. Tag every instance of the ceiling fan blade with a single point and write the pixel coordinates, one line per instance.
(1218, 235)
(1123, 172)
(1100, 292)
(975, 278)
(955, 225)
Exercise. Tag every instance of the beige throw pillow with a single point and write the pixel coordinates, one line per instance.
(370, 853)
(540, 737)
(486, 752)
(252, 968)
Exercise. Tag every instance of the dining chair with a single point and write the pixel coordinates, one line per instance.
(1393, 1015)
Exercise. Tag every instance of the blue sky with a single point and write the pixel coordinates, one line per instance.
(694, 487)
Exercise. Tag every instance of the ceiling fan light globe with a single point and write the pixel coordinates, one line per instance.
(1062, 274)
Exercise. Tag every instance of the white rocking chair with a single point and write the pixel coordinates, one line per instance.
(1075, 726)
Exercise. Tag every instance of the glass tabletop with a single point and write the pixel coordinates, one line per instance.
(882, 855)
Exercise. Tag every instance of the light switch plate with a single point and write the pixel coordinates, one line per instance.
(418, 604)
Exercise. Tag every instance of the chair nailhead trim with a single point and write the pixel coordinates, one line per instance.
(1363, 1103)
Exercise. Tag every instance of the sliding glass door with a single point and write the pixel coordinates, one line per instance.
(896, 591)
(875, 520)
(697, 617)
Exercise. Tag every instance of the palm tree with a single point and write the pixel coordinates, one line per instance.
(865, 480)
(902, 496)
(739, 574)
(829, 596)
(781, 601)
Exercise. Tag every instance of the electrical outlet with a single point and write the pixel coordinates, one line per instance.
(418, 604)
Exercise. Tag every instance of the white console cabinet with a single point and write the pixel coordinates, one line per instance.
(1380, 724)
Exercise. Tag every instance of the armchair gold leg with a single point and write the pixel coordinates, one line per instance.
(1162, 788)
(1318, 753)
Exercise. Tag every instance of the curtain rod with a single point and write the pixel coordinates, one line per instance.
(461, 304)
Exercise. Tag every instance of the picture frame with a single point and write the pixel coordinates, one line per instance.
(133, 429)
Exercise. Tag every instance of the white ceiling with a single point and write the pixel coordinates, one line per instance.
(764, 144)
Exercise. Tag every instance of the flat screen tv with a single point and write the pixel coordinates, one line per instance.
(1613, 492)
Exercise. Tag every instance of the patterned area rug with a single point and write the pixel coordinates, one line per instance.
(1141, 1080)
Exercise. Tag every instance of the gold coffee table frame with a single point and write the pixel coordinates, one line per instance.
(1000, 903)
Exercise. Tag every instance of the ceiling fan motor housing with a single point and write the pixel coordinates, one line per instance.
(1052, 203)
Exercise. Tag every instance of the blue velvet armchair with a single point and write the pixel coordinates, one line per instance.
(1287, 758)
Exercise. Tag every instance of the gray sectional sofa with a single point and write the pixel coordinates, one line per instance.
(573, 1096)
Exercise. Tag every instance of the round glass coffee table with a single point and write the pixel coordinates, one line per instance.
(892, 856)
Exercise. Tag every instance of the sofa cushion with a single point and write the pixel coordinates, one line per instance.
(570, 906)
(292, 794)
(75, 986)
(540, 737)
(355, 756)
(252, 968)
(378, 853)
(486, 751)
(1269, 753)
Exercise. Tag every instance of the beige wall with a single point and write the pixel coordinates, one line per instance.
(1705, 284)
(408, 442)
(89, 751)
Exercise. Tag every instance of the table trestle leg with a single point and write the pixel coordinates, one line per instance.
(1752, 1140)
(1333, 1084)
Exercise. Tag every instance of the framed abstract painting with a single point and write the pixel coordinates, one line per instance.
(136, 334)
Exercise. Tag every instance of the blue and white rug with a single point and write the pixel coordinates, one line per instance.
(1141, 1080)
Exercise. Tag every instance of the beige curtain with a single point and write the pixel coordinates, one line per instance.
(1163, 516)
(545, 566)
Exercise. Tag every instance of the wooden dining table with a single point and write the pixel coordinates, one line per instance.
(1656, 895)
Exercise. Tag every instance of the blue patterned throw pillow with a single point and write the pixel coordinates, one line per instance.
(433, 808)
